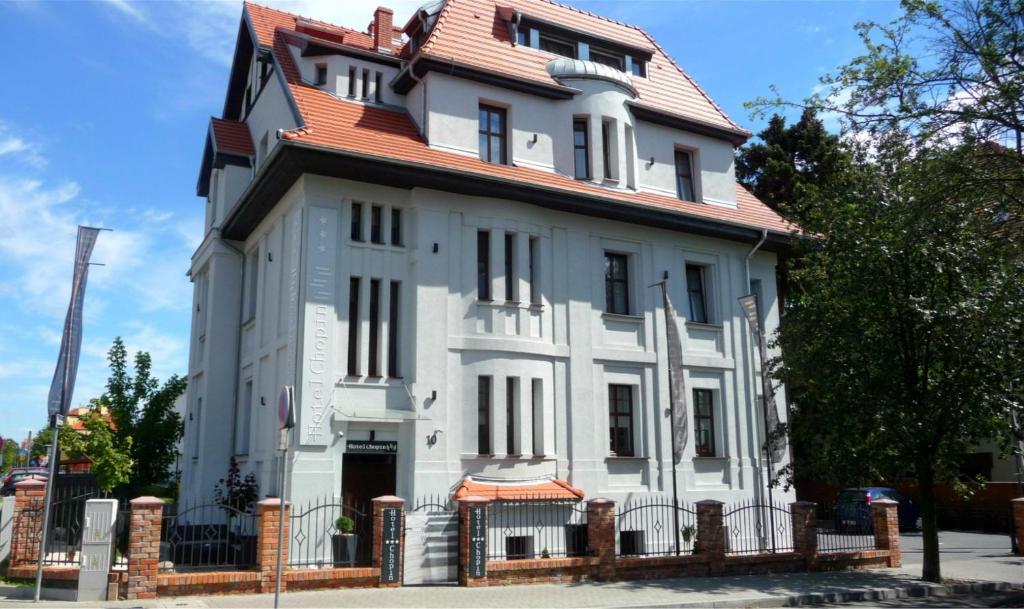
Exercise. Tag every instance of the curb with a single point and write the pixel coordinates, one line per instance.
(847, 596)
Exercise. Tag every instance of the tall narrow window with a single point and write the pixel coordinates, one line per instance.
(321, 73)
(396, 227)
(373, 365)
(492, 134)
(357, 221)
(353, 327)
(252, 265)
(510, 268)
(483, 415)
(510, 416)
(366, 83)
(393, 327)
(523, 36)
(581, 149)
(695, 290)
(620, 418)
(483, 265)
(537, 408)
(351, 81)
(684, 176)
(534, 278)
(376, 220)
(378, 89)
(242, 420)
(704, 422)
(197, 428)
(606, 150)
(616, 283)
(638, 68)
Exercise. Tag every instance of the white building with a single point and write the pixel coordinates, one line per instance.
(443, 235)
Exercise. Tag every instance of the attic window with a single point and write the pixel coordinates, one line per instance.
(523, 36)
(321, 74)
(638, 67)
(607, 58)
(558, 46)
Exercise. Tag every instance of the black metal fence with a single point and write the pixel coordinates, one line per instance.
(846, 526)
(649, 526)
(536, 528)
(434, 503)
(207, 536)
(751, 527)
(320, 538)
(122, 530)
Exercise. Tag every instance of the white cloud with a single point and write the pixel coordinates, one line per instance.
(128, 8)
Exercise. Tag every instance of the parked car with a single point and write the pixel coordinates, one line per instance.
(854, 512)
(17, 474)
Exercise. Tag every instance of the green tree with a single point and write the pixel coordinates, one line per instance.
(10, 454)
(790, 166)
(143, 414)
(904, 336)
(40, 445)
(111, 461)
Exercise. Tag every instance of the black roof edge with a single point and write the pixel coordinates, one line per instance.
(316, 47)
(245, 43)
(736, 137)
(404, 82)
(290, 160)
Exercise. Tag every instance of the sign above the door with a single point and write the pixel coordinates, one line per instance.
(375, 447)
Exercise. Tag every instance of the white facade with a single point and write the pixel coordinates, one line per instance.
(274, 310)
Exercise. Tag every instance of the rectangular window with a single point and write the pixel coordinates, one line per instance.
(608, 58)
(353, 326)
(366, 83)
(558, 46)
(581, 149)
(695, 290)
(378, 89)
(684, 176)
(534, 278)
(483, 265)
(197, 427)
(492, 134)
(620, 415)
(351, 81)
(638, 67)
(510, 268)
(483, 415)
(616, 283)
(374, 364)
(396, 227)
(242, 421)
(523, 36)
(537, 408)
(376, 220)
(606, 149)
(321, 73)
(704, 422)
(393, 327)
(510, 416)
(357, 221)
(252, 264)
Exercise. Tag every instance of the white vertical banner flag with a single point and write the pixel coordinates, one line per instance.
(752, 312)
(63, 385)
(677, 389)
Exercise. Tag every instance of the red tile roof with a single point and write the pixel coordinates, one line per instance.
(339, 124)
(232, 136)
(531, 490)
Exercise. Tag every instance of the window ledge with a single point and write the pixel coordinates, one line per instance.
(625, 458)
(699, 324)
(710, 459)
(639, 319)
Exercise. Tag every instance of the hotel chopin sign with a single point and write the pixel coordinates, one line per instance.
(321, 249)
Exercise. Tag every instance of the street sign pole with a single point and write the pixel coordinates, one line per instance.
(48, 502)
(286, 420)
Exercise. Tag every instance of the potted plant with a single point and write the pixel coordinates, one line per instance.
(689, 533)
(344, 542)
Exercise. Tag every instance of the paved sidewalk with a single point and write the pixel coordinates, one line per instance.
(744, 591)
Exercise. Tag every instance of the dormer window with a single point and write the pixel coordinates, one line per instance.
(523, 36)
(606, 58)
(492, 134)
(321, 74)
(638, 68)
(684, 176)
(558, 46)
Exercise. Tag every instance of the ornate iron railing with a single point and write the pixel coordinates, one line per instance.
(536, 528)
(317, 542)
(758, 528)
(847, 526)
(207, 536)
(655, 526)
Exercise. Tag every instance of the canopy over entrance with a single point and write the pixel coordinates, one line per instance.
(517, 490)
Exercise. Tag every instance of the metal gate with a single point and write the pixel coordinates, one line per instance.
(431, 543)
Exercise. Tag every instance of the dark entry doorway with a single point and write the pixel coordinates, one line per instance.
(365, 476)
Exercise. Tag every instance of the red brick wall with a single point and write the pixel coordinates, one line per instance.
(27, 521)
(1018, 522)
(144, 547)
(269, 513)
(887, 529)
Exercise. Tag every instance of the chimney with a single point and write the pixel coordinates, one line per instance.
(383, 29)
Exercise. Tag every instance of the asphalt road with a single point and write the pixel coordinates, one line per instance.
(975, 556)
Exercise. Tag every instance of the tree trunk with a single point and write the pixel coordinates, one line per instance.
(931, 570)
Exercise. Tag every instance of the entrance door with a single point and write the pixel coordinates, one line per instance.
(365, 476)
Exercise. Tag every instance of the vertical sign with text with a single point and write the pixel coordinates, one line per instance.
(318, 384)
(391, 548)
(477, 542)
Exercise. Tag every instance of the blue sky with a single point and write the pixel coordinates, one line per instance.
(103, 112)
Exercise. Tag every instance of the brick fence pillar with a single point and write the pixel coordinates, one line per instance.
(805, 530)
(1018, 522)
(144, 547)
(29, 496)
(379, 505)
(887, 529)
(472, 544)
(601, 535)
(710, 534)
(268, 513)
